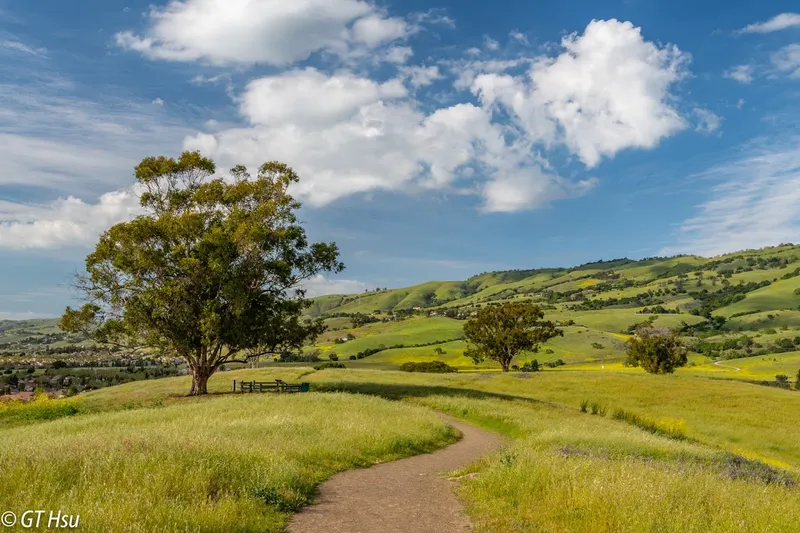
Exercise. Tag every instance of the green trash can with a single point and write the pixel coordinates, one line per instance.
(305, 387)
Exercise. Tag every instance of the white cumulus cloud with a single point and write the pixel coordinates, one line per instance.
(607, 91)
(273, 32)
(66, 222)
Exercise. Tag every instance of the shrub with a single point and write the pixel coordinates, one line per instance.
(658, 351)
(782, 379)
(531, 366)
(353, 357)
(597, 346)
(329, 364)
(433, 367)
(333, 357)
(598, 409)
(584, 406)
(41, 408)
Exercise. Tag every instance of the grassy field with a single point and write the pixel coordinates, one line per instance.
(779, 295)
(234, 463)
(156, 459)
(618, 320)
(412, 331)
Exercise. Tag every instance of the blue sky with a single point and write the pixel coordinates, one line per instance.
(434, 139)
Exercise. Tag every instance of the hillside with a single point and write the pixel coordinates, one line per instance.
(598, 305)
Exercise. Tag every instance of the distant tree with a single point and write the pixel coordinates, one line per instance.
(657, 350)
(500, 333)
(797, 382)
(210, 272)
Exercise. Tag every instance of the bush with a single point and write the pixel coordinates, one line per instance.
(597, 346)
(353, 357)
(41, 408)
(584, 406)
(329, 364)
(658, 351)
(333, 357)
(782, 379)
(598, 409)
(433, 367)
(531, 366)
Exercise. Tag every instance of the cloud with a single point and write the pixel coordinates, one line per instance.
(607, 91)
(270, 32)
(398, 54)
(776, 23)
(530, 188)
(422, 76)
(7, 315)
(17, 46)
(348, 134)
(491, 44)
(520, 37)
(707, 121)
(158, 102)
(319, 285)
(62, 145)
(787, 60)
(740, 73)
(753, 204)
(51, 137)
(66, 222)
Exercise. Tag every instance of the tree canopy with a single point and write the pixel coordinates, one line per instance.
(657, 350)
(501, 332)
(211, 271)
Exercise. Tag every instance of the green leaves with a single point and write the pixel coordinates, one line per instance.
(210, 271)
(658, 351)
(501, 332)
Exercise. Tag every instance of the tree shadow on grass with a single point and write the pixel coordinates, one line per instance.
(396, 391)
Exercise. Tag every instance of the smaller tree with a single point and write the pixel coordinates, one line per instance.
(501, 332)
(657, 350)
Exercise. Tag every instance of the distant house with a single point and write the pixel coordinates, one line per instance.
(23, 396)
(417, 308)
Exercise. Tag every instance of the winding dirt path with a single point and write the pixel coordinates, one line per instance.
(405, 496)
(734, 368)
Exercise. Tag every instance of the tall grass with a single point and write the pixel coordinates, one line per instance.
(233, 463)
(568, 472)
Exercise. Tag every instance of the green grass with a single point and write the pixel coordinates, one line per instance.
(235, 463)
(761, 367)
(617, 320)
(412, 331)
(573, 472)
(777, 296)
(217, 460)
(762, 320)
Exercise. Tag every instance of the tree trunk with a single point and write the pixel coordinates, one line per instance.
(200, 375)
(505, 364)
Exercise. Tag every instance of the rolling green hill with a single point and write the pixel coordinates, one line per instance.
(753, 291)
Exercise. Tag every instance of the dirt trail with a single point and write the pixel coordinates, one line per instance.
(405, 496)
(734, 368)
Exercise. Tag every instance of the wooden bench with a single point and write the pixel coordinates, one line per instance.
(269, 386)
